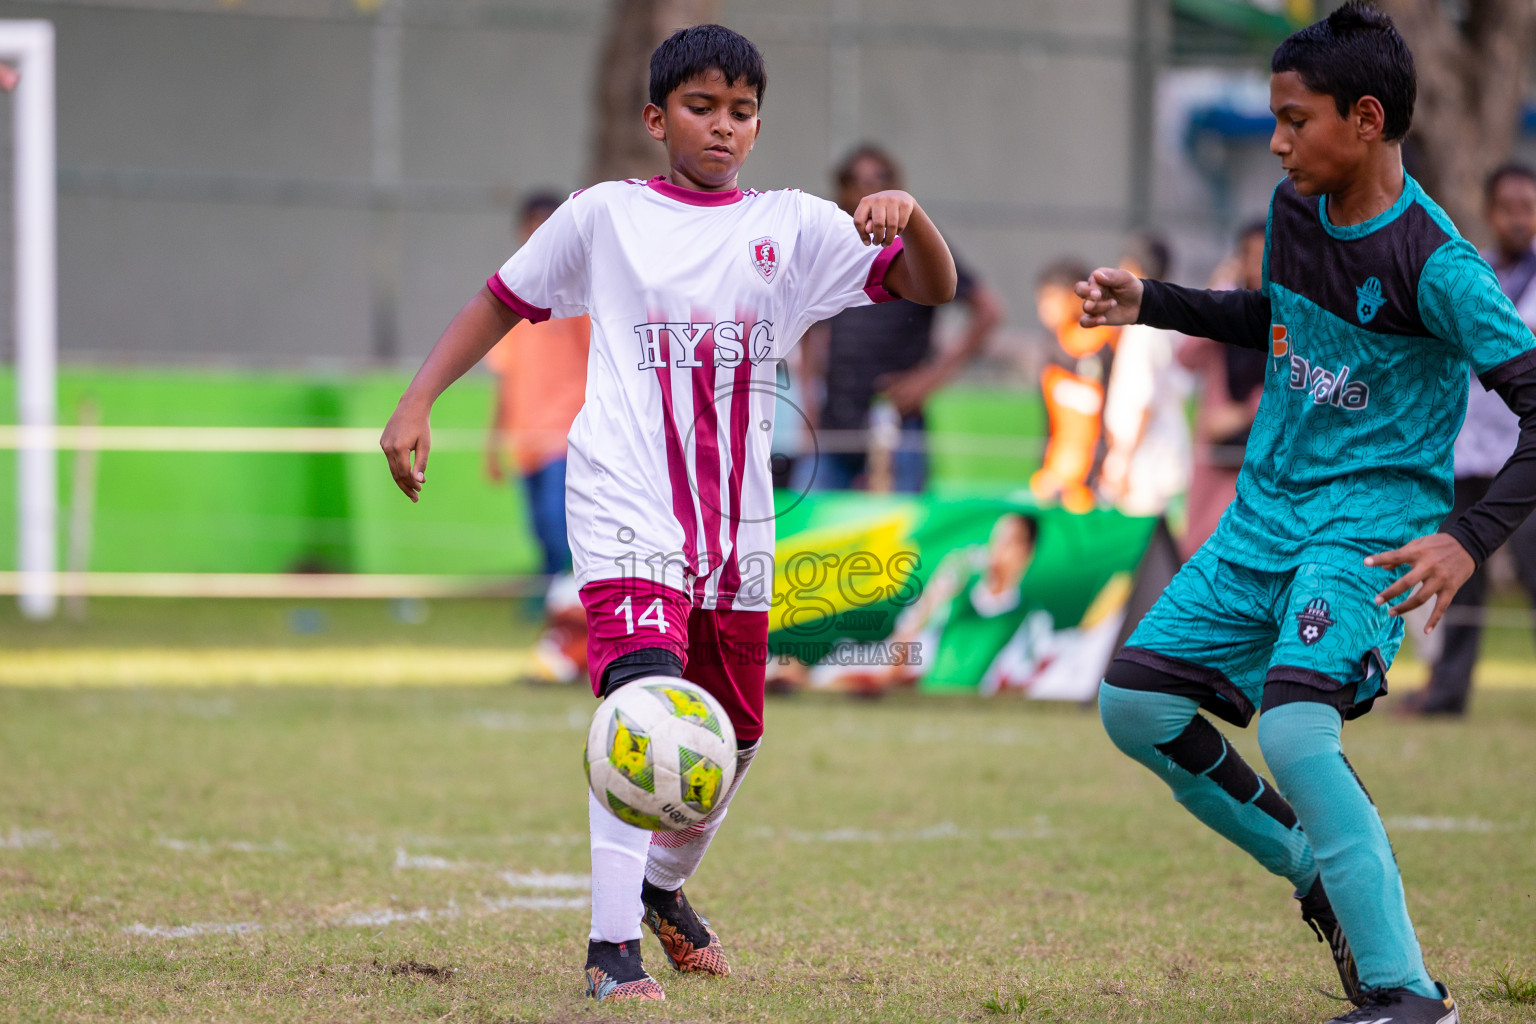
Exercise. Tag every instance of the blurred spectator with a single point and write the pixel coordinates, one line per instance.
(542, 382)
(1487, 437)
(884, 350)
(1073, 388)
(1232, 379)
(1146, 464)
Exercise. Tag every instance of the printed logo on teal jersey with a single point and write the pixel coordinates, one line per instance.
(1369, 300)
(1328, 387)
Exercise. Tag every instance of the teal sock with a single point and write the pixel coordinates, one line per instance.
(1166, 733)
(1301, 745)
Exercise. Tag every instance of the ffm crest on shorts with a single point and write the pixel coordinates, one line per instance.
(765, 256)
(1313, 621)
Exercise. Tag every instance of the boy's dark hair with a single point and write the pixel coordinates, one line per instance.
(1063, 272)
(544, 200)
(1258, 226)
(843, 173)
(1512, 169)
(1355, 52)
(690, 52)
(1151, 253)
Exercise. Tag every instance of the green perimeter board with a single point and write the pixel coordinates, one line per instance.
(263, 512)
(1003, 414)
(194, 511)
(463, 523)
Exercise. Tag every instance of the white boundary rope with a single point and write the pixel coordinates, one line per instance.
(361, 440)
(297, 586)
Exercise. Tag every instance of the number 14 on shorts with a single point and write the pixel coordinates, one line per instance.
(653, 615)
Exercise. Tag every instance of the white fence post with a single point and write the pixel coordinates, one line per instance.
(29, 44)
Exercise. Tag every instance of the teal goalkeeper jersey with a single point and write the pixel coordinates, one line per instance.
(1373, 327)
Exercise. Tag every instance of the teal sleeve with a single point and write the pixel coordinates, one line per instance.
(1461, 302)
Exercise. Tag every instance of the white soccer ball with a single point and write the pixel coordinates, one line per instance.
(661, 753)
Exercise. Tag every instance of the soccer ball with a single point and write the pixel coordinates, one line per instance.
(661, 753)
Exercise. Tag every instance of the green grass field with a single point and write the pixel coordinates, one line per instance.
(319, 854)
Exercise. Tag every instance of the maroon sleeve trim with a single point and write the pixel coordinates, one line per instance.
(533, 314)
(874, 284)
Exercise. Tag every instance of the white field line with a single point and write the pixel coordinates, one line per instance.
(416, 839)
(947, 831)
(255, 666)
(379, 918)
(1421, 823)
(296, 586)
(190, 931)
(425, 862)
(232, 845)
(28, 838)
(539, 880)
(536, 903)
(574, 720)
(536, 880)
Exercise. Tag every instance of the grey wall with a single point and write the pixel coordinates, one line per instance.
(219, 177)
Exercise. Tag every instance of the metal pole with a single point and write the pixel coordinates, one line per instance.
(845, 77)
(30, 45)
(1143, 110)
(385, 239)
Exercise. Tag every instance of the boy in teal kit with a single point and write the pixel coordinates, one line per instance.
(1371, 309)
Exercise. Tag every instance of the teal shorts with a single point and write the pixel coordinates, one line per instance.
(1237, 639)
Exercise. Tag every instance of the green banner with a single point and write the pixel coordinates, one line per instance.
(950, 595)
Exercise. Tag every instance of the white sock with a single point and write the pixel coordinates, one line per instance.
(618, 869)
(675, 856)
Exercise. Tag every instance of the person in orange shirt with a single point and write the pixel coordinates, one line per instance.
(542, 371)
(1074, 397)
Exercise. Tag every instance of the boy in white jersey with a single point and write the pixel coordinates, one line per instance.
(695, 289)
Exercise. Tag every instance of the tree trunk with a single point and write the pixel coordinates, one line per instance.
(1472, 82)
(621, 148)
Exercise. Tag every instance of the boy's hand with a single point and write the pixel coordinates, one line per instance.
(881, 216)
(1111, 297)
(1438, 562)
(406, 432)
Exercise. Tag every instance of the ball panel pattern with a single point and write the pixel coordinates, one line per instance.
(660, 753)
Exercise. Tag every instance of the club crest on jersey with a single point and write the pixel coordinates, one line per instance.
(1313, 621)
(765, 257)
(1369, 300)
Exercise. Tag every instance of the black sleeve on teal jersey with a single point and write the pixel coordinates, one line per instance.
(1238, 318)
(1484, 527)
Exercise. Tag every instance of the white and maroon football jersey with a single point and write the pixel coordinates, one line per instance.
(694, 297)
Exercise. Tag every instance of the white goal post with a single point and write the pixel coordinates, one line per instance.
(28, 45)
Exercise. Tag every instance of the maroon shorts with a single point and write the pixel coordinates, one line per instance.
(725, 652)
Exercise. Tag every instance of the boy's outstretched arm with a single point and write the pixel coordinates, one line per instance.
(1443, 561)
(924, 270)
(1116, 297)
(477, 327)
